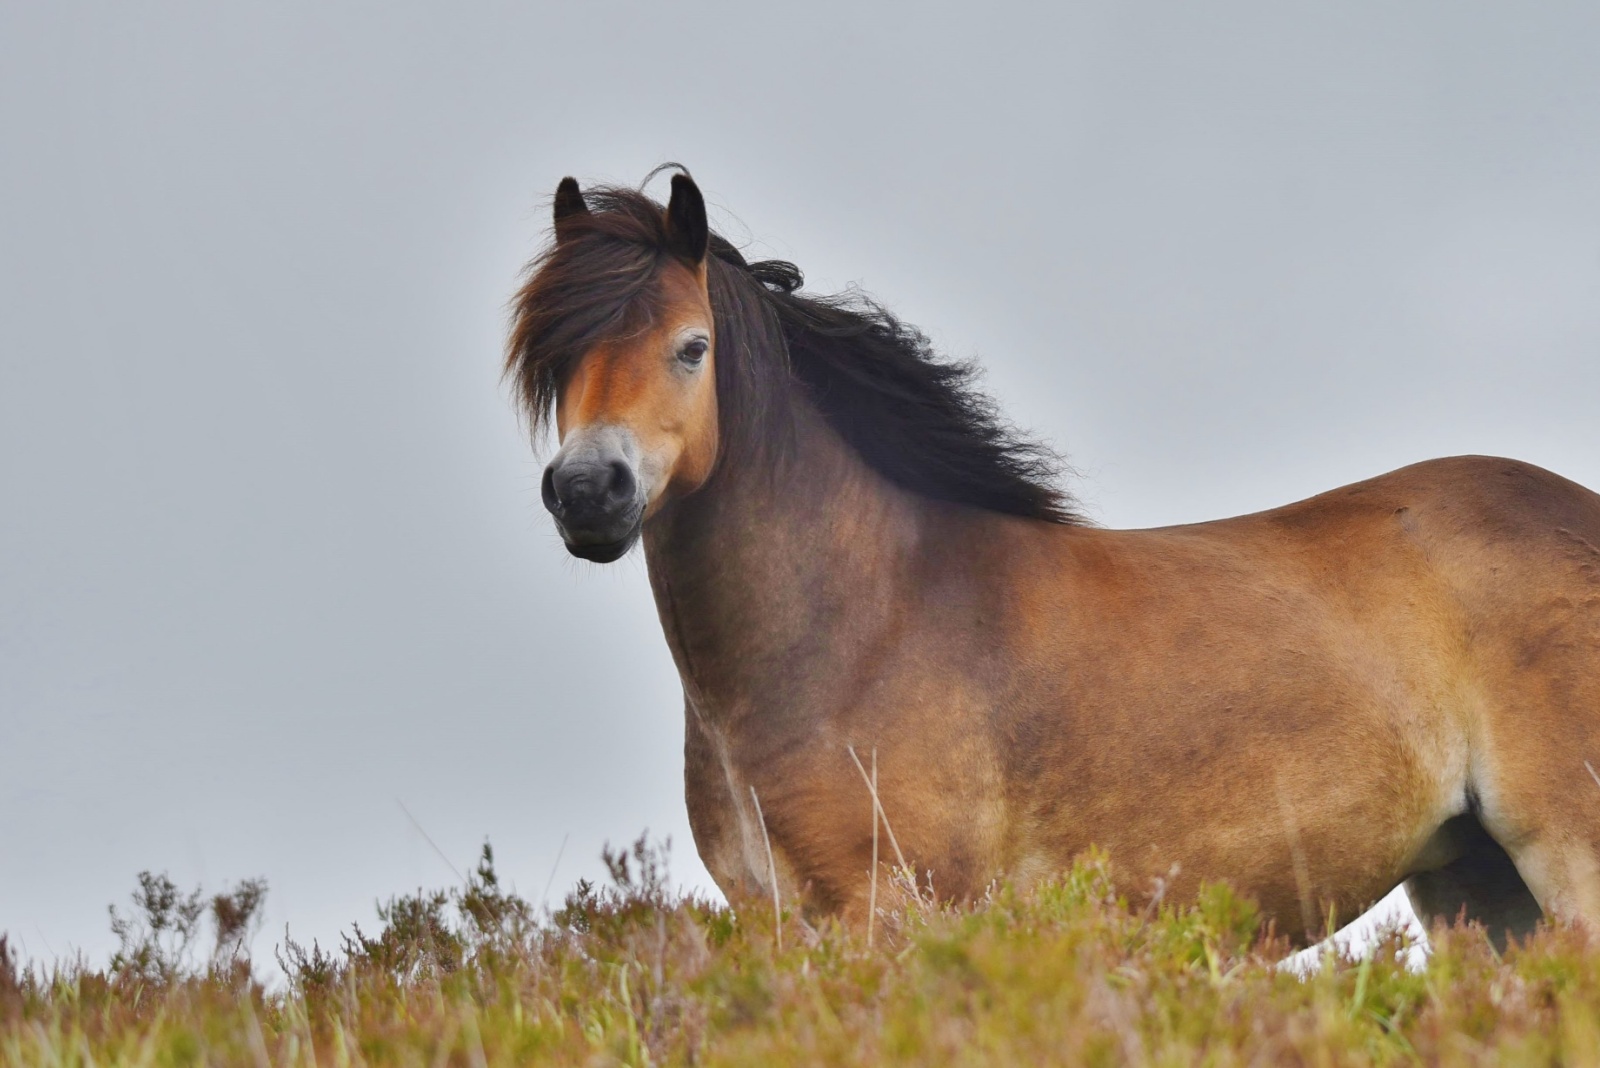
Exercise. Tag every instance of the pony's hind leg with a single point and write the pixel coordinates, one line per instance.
(1531, 590)
(1532, 781)
(1481, 886)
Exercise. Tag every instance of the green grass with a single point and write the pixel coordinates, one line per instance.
(1066, 973)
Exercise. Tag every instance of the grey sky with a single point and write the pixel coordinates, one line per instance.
(271, 555)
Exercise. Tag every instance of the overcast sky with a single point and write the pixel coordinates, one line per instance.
(272, 559)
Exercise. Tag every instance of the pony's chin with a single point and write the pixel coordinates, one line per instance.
(602, 552)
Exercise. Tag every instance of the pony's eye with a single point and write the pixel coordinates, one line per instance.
(694, 351)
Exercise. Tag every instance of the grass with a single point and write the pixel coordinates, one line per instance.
(631, 973)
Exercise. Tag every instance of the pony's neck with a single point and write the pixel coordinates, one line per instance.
(771, 581)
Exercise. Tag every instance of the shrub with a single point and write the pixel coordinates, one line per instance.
(630, 972)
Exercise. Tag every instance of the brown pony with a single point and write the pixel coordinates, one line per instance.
(1396, 681)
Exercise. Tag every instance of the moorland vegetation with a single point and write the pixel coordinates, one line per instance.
(1077, 971)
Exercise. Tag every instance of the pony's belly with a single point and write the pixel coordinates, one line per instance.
(1297, 876)
(1327, 824)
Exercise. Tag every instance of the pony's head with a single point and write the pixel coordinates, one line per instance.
(665, 358)
(617, 321)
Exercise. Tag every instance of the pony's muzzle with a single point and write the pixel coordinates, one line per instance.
(594, 496)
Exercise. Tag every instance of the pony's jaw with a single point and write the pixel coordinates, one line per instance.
(603, 553)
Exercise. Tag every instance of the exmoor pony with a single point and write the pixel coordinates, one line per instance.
(852, 553)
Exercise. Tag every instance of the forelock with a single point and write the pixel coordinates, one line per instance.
(597, 283)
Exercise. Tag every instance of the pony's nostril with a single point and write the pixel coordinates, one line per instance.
(622, 484)
(547, 489)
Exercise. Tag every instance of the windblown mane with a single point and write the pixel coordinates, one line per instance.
(916, 419)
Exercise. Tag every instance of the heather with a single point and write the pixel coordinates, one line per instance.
(1076, 971)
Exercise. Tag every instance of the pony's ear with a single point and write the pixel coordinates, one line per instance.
(687, 231)
(569, 203)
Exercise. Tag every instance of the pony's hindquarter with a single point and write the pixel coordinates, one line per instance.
(1523, 558)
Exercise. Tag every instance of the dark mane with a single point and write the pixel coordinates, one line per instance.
(916, 419)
